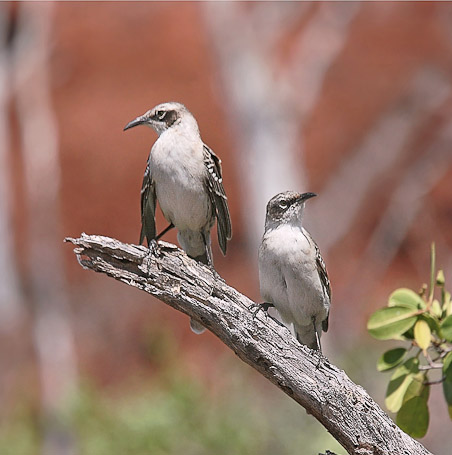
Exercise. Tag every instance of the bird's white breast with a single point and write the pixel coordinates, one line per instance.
(178, 171)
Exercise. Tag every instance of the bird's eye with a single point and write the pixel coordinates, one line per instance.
(283, 205)
(161, 115)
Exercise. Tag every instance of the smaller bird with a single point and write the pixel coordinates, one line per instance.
(292, 273)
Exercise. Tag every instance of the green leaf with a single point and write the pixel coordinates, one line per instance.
(413, 417)
(425, 392)
(447, 366)
(422, 334)
(408, 335)
(432, 322)
(440, 280)
(447, 383)
(446, 328)
(390, 359)
(406, 298)
(449, 409)
(399, 383)
(388, 323)
(432, 271)
(436, 309)
(416, 388)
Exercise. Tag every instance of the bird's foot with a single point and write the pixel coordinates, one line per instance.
(153, 251)
(319, 359)
(265, 306)
(319, 346)
(319, 354)
(154, 248)
(256, 307)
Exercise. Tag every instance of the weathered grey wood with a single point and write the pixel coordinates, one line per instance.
(342, 407)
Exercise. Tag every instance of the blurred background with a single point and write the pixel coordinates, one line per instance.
(350, 100)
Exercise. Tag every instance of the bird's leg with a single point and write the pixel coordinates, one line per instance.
(206, 240)
(168, 228)
(318, 342)
(209, 258)
(317, 338)
(153, 250)
(319, 346)
(153, 246)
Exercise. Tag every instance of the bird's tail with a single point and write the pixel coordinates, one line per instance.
(309, 335)
(196, 327)
(202, 258)
(197, 246)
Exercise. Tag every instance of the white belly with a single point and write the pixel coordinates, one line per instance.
(288, 276)
(178, 173)
(183, 205)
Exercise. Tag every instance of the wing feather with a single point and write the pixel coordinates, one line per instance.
(148, 201)
(214, 183)
(323, 274)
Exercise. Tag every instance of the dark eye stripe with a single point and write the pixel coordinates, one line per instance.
(168, 116)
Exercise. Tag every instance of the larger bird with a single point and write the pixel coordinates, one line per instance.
(292, 273)
(184, 175)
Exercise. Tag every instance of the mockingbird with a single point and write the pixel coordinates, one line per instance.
(292, 273)
(184, 175)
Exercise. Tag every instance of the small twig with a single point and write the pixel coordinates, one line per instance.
(433, 366)
(431, 363)
(445, 351)
(437, 381)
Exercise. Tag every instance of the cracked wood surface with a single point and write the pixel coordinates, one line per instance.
(342, 407)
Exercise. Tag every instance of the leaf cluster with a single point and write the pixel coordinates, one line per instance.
(423, 320)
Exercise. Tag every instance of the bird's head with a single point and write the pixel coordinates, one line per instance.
(164, 116)
(286, 207)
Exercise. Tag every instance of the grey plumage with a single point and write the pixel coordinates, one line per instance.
(184, 175)
(292, 273)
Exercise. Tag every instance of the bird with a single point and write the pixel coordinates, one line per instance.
(184, 176)
(292, 272)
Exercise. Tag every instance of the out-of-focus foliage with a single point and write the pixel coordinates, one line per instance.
(177, 416)
(425, 322)
(20, 434)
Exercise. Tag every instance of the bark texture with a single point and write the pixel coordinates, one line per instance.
(342, 407)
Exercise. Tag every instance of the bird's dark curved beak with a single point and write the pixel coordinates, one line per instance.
(305, 196)
(138, 121)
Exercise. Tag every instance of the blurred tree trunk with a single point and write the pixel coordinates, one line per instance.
(47, 293)
(10, 295)
(268, 98)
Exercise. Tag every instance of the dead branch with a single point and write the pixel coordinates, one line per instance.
(342, 407)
